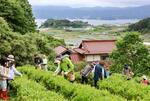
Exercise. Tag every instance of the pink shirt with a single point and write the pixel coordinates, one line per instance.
(145, 82)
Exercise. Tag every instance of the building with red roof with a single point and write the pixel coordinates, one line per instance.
(93, 50)
(88, 50)
(62, 50)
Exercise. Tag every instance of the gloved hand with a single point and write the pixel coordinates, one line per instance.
(66, 73)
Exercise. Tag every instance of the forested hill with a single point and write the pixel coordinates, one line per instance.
(141, 26)
(61, 12)
(63, 23)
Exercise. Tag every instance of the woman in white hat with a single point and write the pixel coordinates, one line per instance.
(12, 70)
(144, 80)
(10, 58)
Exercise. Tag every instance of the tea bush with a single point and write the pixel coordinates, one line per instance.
(78, 78)
(28, 90)
(119, 85)
(72, 91)
(80, 65)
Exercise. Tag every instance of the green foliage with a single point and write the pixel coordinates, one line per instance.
(142, 26)
(4, 25)
(130, 50)
(28, 90)
(80, 65)
(101, 28)
(18, 14)
(90, 78)
(52, 66)
(24, 47)
(72, 91)
(131, 90)
(63, 23)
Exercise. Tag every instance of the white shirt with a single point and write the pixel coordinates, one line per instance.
(12, 72)
(45, 61)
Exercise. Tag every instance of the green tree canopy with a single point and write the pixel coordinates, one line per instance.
(64, 23)
(131, 50)
(142, 26)
(18, 14)
(24, 47)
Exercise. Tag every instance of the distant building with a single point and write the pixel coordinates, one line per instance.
(62, 50)
(89, 50)
(93, 50)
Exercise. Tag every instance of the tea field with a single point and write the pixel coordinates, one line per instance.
(37, 85)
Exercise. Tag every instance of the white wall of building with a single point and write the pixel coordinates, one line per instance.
(92, 57)
(89, 58)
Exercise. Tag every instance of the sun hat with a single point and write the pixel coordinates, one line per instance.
(10, 58)
(66, 55)
(56, 61)
(144, 77)
(126, 66)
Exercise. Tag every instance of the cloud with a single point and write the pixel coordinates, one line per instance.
(91, 3)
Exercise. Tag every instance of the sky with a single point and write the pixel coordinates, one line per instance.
(91, 3)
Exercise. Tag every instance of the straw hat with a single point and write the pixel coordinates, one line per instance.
(66, 55)
(10, 58)
(56, 61)
(144, 77)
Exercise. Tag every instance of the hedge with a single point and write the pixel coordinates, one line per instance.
(129, 89)
(29, 90)
(72, 91)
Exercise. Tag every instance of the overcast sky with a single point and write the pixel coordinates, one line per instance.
(91, 3)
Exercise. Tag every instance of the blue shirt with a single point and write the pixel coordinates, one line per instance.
(99, 72)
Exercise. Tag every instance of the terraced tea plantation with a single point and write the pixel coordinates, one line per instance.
(37, 85)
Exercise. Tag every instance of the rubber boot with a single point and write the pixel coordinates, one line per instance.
(4, 95)
(0, 94)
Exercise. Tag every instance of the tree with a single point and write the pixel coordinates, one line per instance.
(64, 23)
(142, 26)
(131, 50)
(18, 14)
(24, 47)
(4, 36)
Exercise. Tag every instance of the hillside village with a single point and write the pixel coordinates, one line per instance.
(72, 60)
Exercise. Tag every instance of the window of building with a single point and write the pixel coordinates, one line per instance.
(105, 57)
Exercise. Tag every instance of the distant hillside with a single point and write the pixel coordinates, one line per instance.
(141, 26)
(61, 12)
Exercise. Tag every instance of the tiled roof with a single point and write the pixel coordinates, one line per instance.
(78, 50)
(96, 46)
(60, 49)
